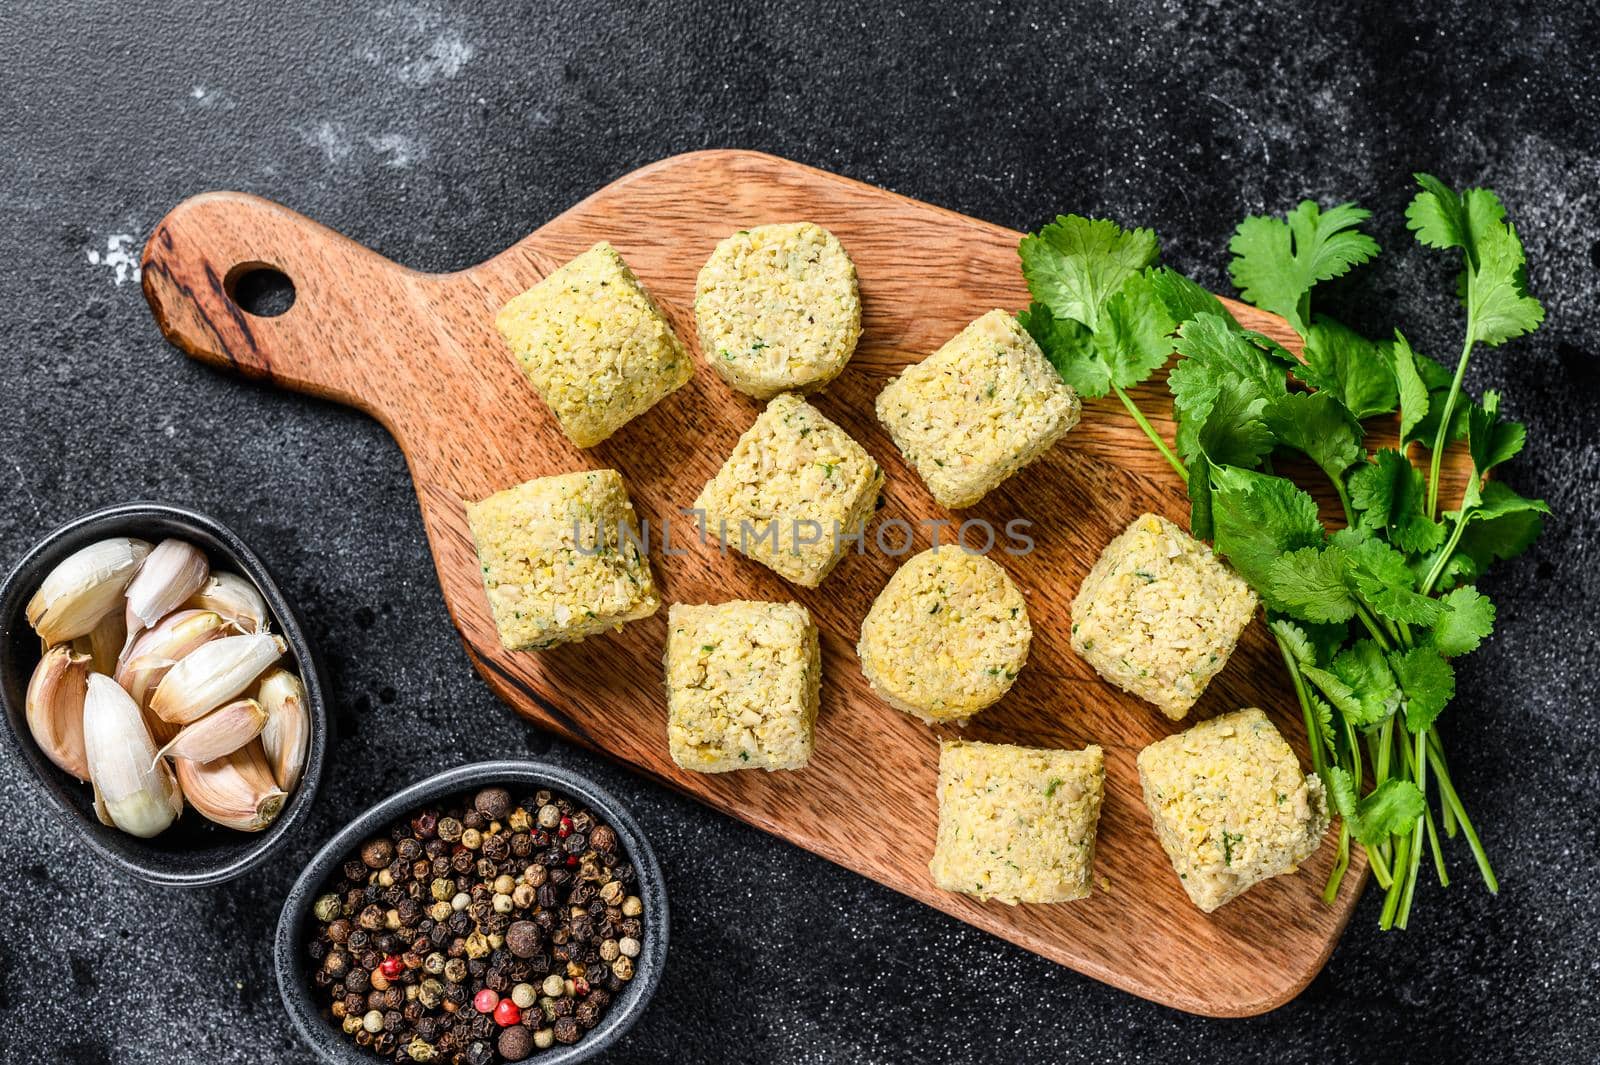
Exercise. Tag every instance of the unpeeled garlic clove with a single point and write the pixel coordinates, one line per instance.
(107, 640)
(236, 790)
(142, 666)
(236, 599)
(54, 707)
(137, 791)
(286, 738)
(171, 573)
(220, 732)
(84, 587)
(212, 674)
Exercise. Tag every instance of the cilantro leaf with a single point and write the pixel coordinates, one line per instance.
(1309, 583)
(1220, 387)
(1132, 337)
(1183, 299)
(1258, 518)
(1233, 433)
(1391, 809)
(1389, 495)
(1413, 392)
(1491, 440)
(1494, 278)
(1342, 361)
(1467, 618)
(1069, 346)
(1502, 526)
(1074, 265)
(1295, 639)
(1278, 261)
(1388, 585)
(1363, 668)
(1319, 425)
(1428, 683)
(1340, 694)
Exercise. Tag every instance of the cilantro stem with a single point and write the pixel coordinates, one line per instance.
(1372, 626)
(1149, 430)
(1449, 548)
(1418, 763)
(1439, 436)
(1341, 865)
(1448, 792)
(1313, 732)
(1344, 499)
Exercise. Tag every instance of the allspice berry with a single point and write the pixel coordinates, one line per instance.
(493, 803)
(523, 939)
(516, 1042)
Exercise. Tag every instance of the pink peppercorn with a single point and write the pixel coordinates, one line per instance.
(392, 967)
(486, 1001)
(506, 1014)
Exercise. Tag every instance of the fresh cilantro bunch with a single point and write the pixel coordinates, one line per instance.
(1367, 618)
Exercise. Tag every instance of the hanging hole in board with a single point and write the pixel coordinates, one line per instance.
(260, 289)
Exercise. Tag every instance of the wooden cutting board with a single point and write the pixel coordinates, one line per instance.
(419, 352)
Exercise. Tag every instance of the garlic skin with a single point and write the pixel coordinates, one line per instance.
(84, 587)
(220, 732)
(141, 667)
(236, 790)
(286, 739)
(170, 574)
(236, 599)
(213, 673)
(136, 790)
(54, 707)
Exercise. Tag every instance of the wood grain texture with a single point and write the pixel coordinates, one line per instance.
(419, 352)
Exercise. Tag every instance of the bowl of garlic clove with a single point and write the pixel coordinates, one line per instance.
(162, 690)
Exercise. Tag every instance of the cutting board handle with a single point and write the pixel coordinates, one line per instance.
(333, 341)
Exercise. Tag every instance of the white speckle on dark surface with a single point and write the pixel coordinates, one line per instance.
(120, 257)
(1009, 113)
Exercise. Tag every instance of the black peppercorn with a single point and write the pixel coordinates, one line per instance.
(521, 844)
(588, 1013)
(376, 853)
(566, 1029)
(495, 848)
(355, 871)
(356, 980)
(603, 839)
(479, 1053)
(474, 820)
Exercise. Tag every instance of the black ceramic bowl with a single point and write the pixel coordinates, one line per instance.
(293, 962)
(193, 852)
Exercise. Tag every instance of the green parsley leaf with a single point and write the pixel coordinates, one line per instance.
(1392, 809)
(1388, 585)
(1494, 277)
(1363, 668)
(1309, 583)
(1317, 424)
(1413, 393)
(1467, 618)
(1258, 518)
(1428, 683)
(1390, 496)
(1491, 440)
(1074, 265)
(1347, 364)
(1278, 261)
(1183, 299)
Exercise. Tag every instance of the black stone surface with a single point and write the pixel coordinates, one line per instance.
(439, 134)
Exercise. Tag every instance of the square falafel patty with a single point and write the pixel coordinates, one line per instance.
(1159, 614)
(1230, 805)
(561, 559)
(977, 410)
(793, 492)
(742, 685)
(1017, 824)
(594, 345)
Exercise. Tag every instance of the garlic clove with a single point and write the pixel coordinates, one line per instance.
(106, 641)
(236, 599)
(84, 587)
(220, 732)
(286, 738)
(54, 706)
(236, 790)
(171, 573)
(142, 666)
(138, 792)
(213, 673)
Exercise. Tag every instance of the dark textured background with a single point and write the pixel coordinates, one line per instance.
(439, 134)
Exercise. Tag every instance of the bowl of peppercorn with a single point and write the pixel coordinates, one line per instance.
(496, 912)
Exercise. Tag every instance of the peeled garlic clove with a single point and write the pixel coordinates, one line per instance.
(84, 587)
(286, 739)
(54, 707)
(220, 732)
(236, 599)
(106, 642)
(212, 674)
(138, 791)
(236, 790)
(141, 667)
(174, 571)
